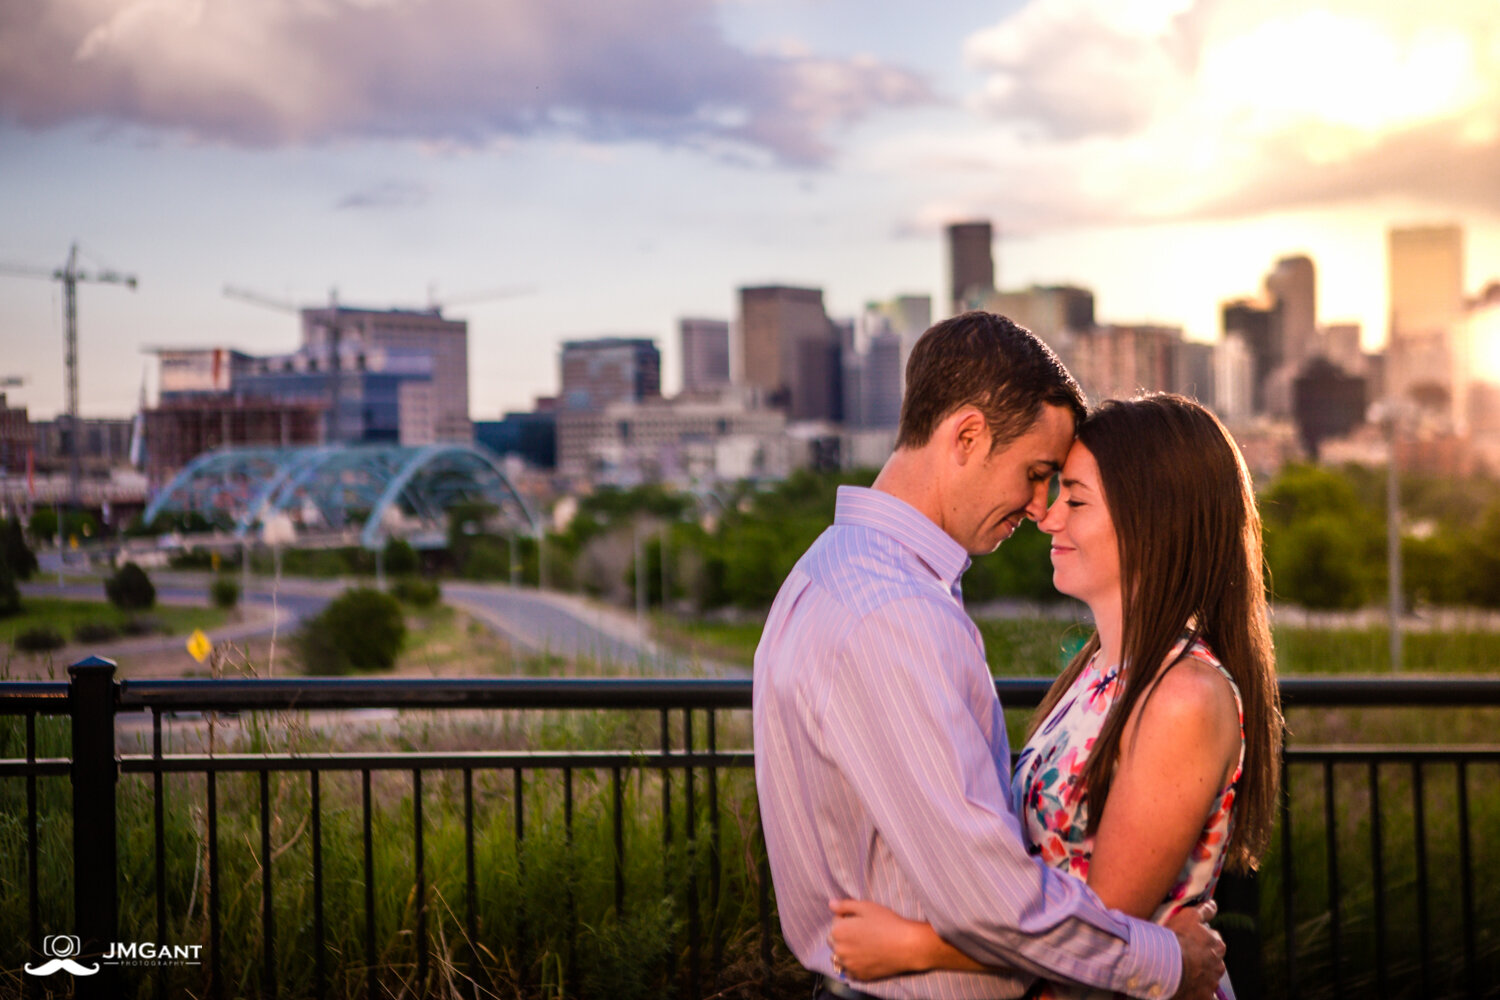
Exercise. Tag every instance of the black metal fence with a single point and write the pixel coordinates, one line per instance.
(1362, 920)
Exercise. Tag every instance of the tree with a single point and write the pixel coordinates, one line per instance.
(22, 560)
(10, 595)
(361, 629)
(1319, 563)
(130, 589)
(400, 558)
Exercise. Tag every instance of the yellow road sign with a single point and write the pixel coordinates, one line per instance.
(199, 645)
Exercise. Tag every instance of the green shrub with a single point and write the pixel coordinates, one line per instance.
(40, 639)
(196, 557)
(400, 558)
(95, 632)
(10, 594)
(16, 552)
(224, 592)
(417, 592)
(130, 589)
(361, 629)
(140, 625)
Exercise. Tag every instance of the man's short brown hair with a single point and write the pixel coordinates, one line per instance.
(983, 360)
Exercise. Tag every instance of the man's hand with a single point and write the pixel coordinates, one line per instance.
(1202, 951)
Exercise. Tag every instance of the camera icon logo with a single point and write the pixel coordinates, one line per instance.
(62, 948)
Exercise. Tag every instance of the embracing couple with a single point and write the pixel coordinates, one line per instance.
(909, 860)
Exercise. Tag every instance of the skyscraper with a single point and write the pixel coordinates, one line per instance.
(971, 263)
(338, 333)
(790, 351)
(608, 370)
(1252, 323)
(1427, 302)
(1292, 287)
(705, 354)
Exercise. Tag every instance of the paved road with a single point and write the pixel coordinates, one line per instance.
(574, 628)
(564, 625)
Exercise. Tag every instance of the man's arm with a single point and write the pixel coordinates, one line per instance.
(903, 731)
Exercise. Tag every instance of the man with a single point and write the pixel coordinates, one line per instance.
(881, 762)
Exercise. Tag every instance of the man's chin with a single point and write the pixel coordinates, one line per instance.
(1002, 532)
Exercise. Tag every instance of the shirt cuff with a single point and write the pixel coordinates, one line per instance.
(1152, 967)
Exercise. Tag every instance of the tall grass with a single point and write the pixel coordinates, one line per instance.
(544, 912)
(546, 923)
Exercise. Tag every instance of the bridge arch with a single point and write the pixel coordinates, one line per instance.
(383, 490)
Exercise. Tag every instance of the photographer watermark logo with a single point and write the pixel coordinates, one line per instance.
(62, 948)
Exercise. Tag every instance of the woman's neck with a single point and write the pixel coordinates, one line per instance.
(1107, 623)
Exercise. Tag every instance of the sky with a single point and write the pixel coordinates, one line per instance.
(557, 169)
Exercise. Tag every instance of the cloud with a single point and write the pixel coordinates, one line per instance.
(274, 72)
(1163, 109)
(387, 194)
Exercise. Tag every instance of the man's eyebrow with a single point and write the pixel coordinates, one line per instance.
(1053, 468)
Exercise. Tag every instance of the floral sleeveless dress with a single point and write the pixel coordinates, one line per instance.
(1052, 802)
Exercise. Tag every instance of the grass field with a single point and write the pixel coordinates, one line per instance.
(66, 615)
(1038, 647)
(546, 913)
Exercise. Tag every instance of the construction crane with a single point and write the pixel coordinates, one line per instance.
(70, 276)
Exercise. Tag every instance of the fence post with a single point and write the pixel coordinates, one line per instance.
(1239, 925)
(95, 770)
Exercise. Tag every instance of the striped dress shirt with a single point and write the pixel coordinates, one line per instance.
(883, 773)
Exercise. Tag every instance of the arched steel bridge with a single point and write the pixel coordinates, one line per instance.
(388, 490)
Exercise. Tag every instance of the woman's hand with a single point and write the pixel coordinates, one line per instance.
(872, 942)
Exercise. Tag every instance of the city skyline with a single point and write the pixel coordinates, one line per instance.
(755, 142)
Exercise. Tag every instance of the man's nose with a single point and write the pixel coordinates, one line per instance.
(1037, 508)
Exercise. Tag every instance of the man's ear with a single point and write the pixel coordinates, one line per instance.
(970, 434)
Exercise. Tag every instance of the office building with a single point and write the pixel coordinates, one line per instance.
(1234, 381)
(1292, 288)
(1049, 311)
(531, 436)
(971, 264)
(873, 360)
(1427, 303)
(606, 370)
(790, 350)
(682, 441)
(1252, 321)
(908, 317)
(1116, 361)
(183, 371)
(1327, 403)
(341, 334)
(17, 438)
(1193, 371)
(705, 355)
(1340, 343)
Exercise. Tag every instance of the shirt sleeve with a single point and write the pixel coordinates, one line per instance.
(899, 726)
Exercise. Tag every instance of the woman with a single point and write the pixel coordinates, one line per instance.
(1153, 760)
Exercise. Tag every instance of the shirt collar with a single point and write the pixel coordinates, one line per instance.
(882, 512)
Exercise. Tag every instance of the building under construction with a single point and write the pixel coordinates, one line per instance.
(182, 428)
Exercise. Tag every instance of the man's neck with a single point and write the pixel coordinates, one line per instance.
(908, 476)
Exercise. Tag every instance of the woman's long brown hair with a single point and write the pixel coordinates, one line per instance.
(1189, 535)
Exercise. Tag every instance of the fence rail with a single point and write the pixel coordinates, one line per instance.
(1332, 952)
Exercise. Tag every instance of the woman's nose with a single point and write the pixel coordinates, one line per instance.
(1052, 520)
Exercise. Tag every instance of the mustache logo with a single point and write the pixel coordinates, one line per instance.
(51, 966)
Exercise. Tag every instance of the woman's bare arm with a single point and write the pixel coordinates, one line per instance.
(1178, 754)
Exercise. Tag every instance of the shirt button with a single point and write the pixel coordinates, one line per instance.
(1133, 983)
